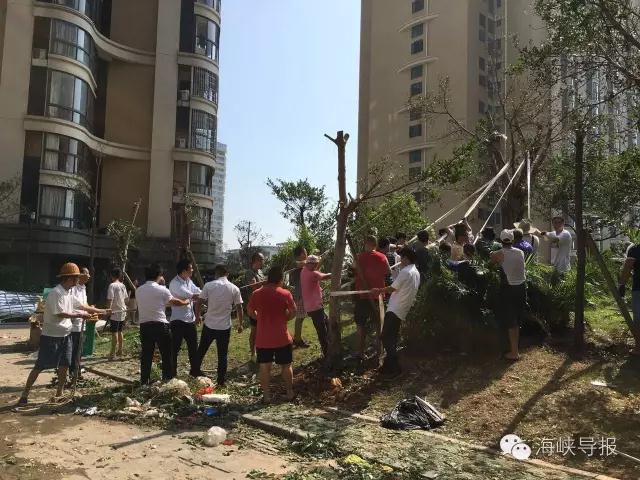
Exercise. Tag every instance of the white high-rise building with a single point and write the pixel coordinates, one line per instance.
(219, 179)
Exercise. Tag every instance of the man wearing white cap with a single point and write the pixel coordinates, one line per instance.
(310, 279)
(61, 306)
(513, 290)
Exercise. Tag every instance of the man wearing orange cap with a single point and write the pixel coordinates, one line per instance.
(55, 343)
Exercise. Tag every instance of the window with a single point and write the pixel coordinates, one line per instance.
(417, 30)
(70, 98)
(414, 172)
(491, 26)
(90, 8)
(200, 179)
(415, 156)
(499, 3)
(68, 155)
(207, 37)
(417, 6)
(201, 228)
(73, 42)
(482, 35)
(203, 131)
(205, 84)
(416, 88)
(482, 80)
(417, 72)
(415, 130)
(482, 108)
(63, 207)
(482, 20)
(215, 4)
(417, 46)
(482, 64)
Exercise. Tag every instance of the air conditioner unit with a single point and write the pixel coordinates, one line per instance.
(185, 95)
(40, 53)
(181, 142)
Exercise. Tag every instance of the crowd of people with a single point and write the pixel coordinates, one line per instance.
(388, 273)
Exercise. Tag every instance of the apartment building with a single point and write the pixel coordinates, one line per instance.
(104, 103)
(407, 48)
(219, 182)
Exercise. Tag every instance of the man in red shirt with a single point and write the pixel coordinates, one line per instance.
(372, 268)
(273, 307)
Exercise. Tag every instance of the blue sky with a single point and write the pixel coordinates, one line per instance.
(288, 75)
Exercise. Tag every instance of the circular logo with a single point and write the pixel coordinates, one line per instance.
(521, 451)
(508, 442)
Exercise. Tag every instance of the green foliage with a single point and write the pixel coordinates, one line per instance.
(126, 235)
(450, 313)
(397, 213)
(285, 258)
(306, 206)
(10, 198)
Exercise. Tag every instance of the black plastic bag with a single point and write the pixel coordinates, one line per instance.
(412, 414)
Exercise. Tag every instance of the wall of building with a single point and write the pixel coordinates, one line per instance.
(129, 104)
(14, 90)
(133, 23)
(124, 181)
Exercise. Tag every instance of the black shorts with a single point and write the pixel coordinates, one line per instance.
(281, 355)
(253, 322)
(366, 313)
(54, 352)
(513, 304)
(115, 326)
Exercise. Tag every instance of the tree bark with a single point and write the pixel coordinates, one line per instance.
(344, 210)
(581, 242)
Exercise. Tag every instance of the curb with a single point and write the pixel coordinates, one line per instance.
(480, 448)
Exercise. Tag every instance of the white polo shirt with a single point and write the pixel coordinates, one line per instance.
(118, 295)
(184, 290)
(80, 293)
(406, 288)
(221, 296)
(152, 301)
(58, 301)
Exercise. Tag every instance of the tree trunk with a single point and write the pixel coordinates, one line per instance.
(335, 330)
(94, 227)
(581, 242)
(344, 210)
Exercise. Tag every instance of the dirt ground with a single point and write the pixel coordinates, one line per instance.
(43, 444)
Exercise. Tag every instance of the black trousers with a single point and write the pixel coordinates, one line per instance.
(320, 322)
(222, 344)
(183, 330)
(390, 334)
(75, 348)
(152, 334)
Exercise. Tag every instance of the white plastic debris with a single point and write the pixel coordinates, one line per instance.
(151, 413)
(175, 387)
(89, 412)
(204, 382)
(129, 402)
(216, 398)
(215, 436)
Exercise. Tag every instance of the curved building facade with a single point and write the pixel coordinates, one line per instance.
(104, 103)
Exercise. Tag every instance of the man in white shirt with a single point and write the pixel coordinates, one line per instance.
(55, 343)
(403, 292)
(153, 299)
(221, 296)
(80, 293)
(561, 244)
(117, 296)
(513, 292)
(183, 322)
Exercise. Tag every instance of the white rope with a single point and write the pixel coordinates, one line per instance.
(349, 293)
(500, 200)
